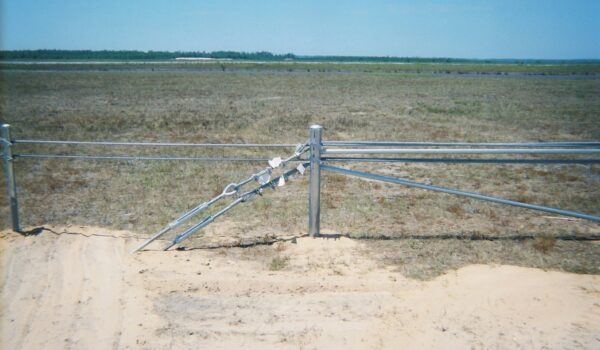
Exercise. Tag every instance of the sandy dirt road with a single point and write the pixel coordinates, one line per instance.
(69, 291)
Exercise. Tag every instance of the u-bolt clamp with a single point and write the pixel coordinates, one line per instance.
(299, 149)
(230, 190)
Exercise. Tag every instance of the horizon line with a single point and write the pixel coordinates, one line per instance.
(304, 55)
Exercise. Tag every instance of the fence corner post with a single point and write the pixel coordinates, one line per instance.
(11, 184)
(314, 186)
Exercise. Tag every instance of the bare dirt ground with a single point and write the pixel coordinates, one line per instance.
(85, 291)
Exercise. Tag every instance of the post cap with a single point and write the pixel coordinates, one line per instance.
(316, 126)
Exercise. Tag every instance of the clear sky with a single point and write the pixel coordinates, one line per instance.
(428, 28)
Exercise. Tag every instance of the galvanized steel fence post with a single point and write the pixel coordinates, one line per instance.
(314, 186)
(11, 184)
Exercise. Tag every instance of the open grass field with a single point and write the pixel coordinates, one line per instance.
(499, 69)
(275, 103)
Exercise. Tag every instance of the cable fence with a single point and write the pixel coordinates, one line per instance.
(317, 155)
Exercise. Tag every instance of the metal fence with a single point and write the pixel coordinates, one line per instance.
(325, 152)
(10, 154)
(320, 156)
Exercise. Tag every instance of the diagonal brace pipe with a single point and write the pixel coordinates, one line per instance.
(473, 195)
(241, 199)
(230, 190)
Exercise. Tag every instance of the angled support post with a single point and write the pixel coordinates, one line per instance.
(9, 173)
(314, 186)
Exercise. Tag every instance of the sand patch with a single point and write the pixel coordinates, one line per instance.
(72, 291)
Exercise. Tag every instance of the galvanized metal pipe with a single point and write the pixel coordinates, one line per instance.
(328, 151)
(464, 160)
(208, 220)
(180, 220)
(9, 173)
(460, 193)
(314, 186)
(461, 144)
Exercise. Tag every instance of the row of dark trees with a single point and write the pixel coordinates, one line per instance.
(235, 55)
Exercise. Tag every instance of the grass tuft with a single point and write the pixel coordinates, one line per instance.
(278, 263)
(544, 243)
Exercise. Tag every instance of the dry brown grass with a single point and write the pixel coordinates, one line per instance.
(278, 263)
(427, 258)
(278, 107)
(544, 243)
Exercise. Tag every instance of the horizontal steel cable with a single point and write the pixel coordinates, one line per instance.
(464, 160)
(462, 144)
(326, 143)
(154, 144)
(461, 150)
(110, 157)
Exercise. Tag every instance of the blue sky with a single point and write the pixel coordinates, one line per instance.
(468, 28)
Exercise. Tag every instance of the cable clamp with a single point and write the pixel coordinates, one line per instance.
(5, 141)
(230, 190)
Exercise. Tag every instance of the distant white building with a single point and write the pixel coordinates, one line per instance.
(201, 59)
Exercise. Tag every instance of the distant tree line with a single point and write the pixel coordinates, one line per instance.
(395, 59)
(250, 56)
